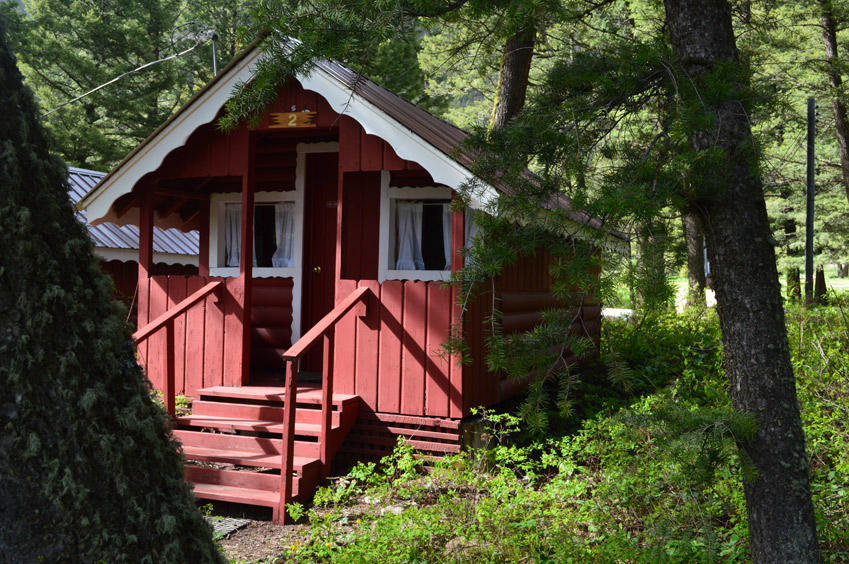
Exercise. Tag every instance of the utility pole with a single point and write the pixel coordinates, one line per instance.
(809, 207)
(214, 36)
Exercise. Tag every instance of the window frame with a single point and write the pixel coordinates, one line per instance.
(387, 241)
(217, 216)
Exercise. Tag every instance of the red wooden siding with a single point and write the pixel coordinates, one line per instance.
(271, 322)
(359, 151)
(294, 96)
(124, 275)
(222, 154)
(525, 286)
(201, 339)
(360, 225)
(392, 357)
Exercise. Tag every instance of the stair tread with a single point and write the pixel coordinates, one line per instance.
(236, 494)
(244, 458)
(236, 424)
(306, 393)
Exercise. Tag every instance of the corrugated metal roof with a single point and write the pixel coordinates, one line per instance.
(110, 236)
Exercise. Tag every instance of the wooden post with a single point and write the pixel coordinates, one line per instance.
(288, 446)
(203, 257)
(170, 369)
(327, 401)
(145, 256)
(247, 253)
(145, 268)
(458, 241)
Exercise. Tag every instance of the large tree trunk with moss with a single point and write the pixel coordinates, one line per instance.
(743, 270)
(89, 471)
(513, 77)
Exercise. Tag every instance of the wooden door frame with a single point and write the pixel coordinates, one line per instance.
(303, 149)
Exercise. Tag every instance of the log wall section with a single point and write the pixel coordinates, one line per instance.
(520, 293)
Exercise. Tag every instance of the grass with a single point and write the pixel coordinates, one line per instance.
(652, 476)
(832, 282)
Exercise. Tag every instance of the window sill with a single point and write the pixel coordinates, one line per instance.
(423, 275)
(258, 272)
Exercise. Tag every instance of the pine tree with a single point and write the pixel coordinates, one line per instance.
(89, 470)
(68, 48)
(630, 128)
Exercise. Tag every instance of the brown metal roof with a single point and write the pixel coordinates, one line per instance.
(442, 135)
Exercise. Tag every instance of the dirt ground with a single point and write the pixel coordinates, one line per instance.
(261, 541)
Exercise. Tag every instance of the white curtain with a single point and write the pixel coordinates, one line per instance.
(409, 217)
(472, 228)
(284, 231)
(232, 234)
(446, 234)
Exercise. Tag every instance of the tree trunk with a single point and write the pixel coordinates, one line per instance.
(513, 78)
(652, 290)
(89, 471)
(820, 289)
(745, 277)
(794, 286)
(842, 270)
(694, 237)
(835, 81)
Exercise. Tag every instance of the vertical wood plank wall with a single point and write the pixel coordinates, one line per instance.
(207, 354)
(392, 358)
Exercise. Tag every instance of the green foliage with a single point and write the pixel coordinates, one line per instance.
(89, 470)
(182, 404)
(69, 48)
(819, 339)
(655, 478)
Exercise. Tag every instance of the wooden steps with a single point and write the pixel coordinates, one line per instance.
(234, 439)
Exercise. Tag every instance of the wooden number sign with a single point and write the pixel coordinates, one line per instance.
(292, 120)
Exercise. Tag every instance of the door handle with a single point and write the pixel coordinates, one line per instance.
(316, 269)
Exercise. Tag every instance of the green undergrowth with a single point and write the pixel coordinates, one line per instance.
(650, 474)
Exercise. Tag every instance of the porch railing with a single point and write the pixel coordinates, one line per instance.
(167, 320)
(326, 328)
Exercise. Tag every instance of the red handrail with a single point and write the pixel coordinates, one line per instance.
(325, 328)
(167, 320)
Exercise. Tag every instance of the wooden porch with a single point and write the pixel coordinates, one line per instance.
(238, 435)
(281, 434)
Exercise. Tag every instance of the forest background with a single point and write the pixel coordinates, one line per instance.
(784, 46)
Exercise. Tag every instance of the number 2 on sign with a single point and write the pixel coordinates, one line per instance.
(292, 119)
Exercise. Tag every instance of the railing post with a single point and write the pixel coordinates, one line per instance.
(288, 450)
(326, 400)
(170, 369)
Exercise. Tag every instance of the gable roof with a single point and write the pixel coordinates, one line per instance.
(413, 133)
(170, 246)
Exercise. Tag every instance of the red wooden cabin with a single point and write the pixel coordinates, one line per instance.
(341, 305)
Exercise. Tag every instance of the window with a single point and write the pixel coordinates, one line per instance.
(422, 233)
(274, 226)
(415, 233)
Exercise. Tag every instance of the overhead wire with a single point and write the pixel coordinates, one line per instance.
(119, 77)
